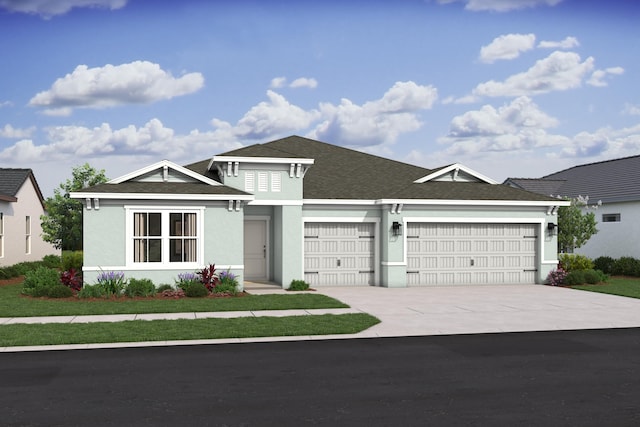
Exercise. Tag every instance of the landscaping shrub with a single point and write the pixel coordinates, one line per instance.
(8, 273)
(52, 261)
(298, 285)
(59, 291)
(209, 277)
(91, 291)
(71, 259)
(196, 290)
(140, 288)
(165, 287)
(112, 282)
(557, 277)
(228, 284)
(23, 268)
(71, 279)
(575, 277)
(626, 266)
(36, 282)
(186, 279)
(571, 262)
(604, 264)
(592, 277)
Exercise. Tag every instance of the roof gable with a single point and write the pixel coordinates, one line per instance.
(11, 180)
(455, 173)
(164, 171)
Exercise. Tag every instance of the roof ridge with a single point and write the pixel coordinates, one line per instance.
(592, 163)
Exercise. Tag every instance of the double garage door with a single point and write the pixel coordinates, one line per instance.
(339, 254)
(343, 254)
(460, 254)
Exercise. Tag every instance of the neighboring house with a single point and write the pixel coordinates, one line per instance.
(296, 208)
(21, 205)
(614, 183)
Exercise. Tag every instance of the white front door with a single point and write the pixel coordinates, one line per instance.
(255, 250)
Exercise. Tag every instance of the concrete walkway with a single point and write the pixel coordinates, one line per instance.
(414, 312)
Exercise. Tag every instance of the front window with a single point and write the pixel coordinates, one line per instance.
(165, 236)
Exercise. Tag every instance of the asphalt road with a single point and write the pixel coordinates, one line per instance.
(564, 378)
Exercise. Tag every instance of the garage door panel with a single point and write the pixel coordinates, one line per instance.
(344, 254)
(471, 253)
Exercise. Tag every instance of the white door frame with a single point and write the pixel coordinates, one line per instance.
(267, 223)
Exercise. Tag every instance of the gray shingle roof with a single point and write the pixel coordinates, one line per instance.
(164, 188)
(342, 173)
(616, 180)
(11, 180)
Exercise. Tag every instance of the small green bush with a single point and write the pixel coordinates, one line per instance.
(626, 266)
(72, 259)
(592, 277)
(226, 287)
(140, 288)
(196, 290)
(571, 262)
(575, 277)
(604, 264)
(10, 272)
(298, 285)
(91, 291)
(37, 281)
(164, 287)
(52, 261)
(59, 291)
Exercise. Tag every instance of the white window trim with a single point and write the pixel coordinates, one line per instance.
(164, 264)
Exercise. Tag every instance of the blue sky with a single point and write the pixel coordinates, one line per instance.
(510, 88)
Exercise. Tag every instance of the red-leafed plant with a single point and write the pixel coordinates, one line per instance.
(71, 279)
(209, 277)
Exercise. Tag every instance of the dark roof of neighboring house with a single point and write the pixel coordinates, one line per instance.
(11, 180)
(342, 173)
(164, 188)
(616, 180)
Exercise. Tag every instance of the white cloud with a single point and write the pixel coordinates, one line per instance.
(9, 131)
(631, 109)
(558, 72)
(270, 118)
(519, 125)
(135, 83)
(507, 46)
(375, 122)
(6, 104)
(49, 8)
(280, 82)
(598, 76)
(501, 5)
(304, 82)
(567, 43)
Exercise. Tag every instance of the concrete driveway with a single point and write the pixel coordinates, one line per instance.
(484, 309)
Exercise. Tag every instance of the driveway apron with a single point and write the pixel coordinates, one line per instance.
(486, 309)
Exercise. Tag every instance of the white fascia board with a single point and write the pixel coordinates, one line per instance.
(340, 202)
(159, 165)
(284, 160)
(161, 196)
(449, 168)
(275, 203)
(433, 202)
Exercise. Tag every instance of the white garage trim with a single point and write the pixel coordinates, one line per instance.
(350, 220)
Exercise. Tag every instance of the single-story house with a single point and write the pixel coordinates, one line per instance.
(21, 205)
(614, 187)
(297, 208)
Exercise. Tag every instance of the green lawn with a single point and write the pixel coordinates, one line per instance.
(623, 286)
(165, 330)
(13, 304)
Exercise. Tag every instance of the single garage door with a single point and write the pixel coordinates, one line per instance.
(339, 253)
(463, 254)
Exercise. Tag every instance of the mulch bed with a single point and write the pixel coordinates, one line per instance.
(12, 281)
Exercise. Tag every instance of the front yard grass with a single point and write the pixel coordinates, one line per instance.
(13, 304)
(618, 285)
(168, 330)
